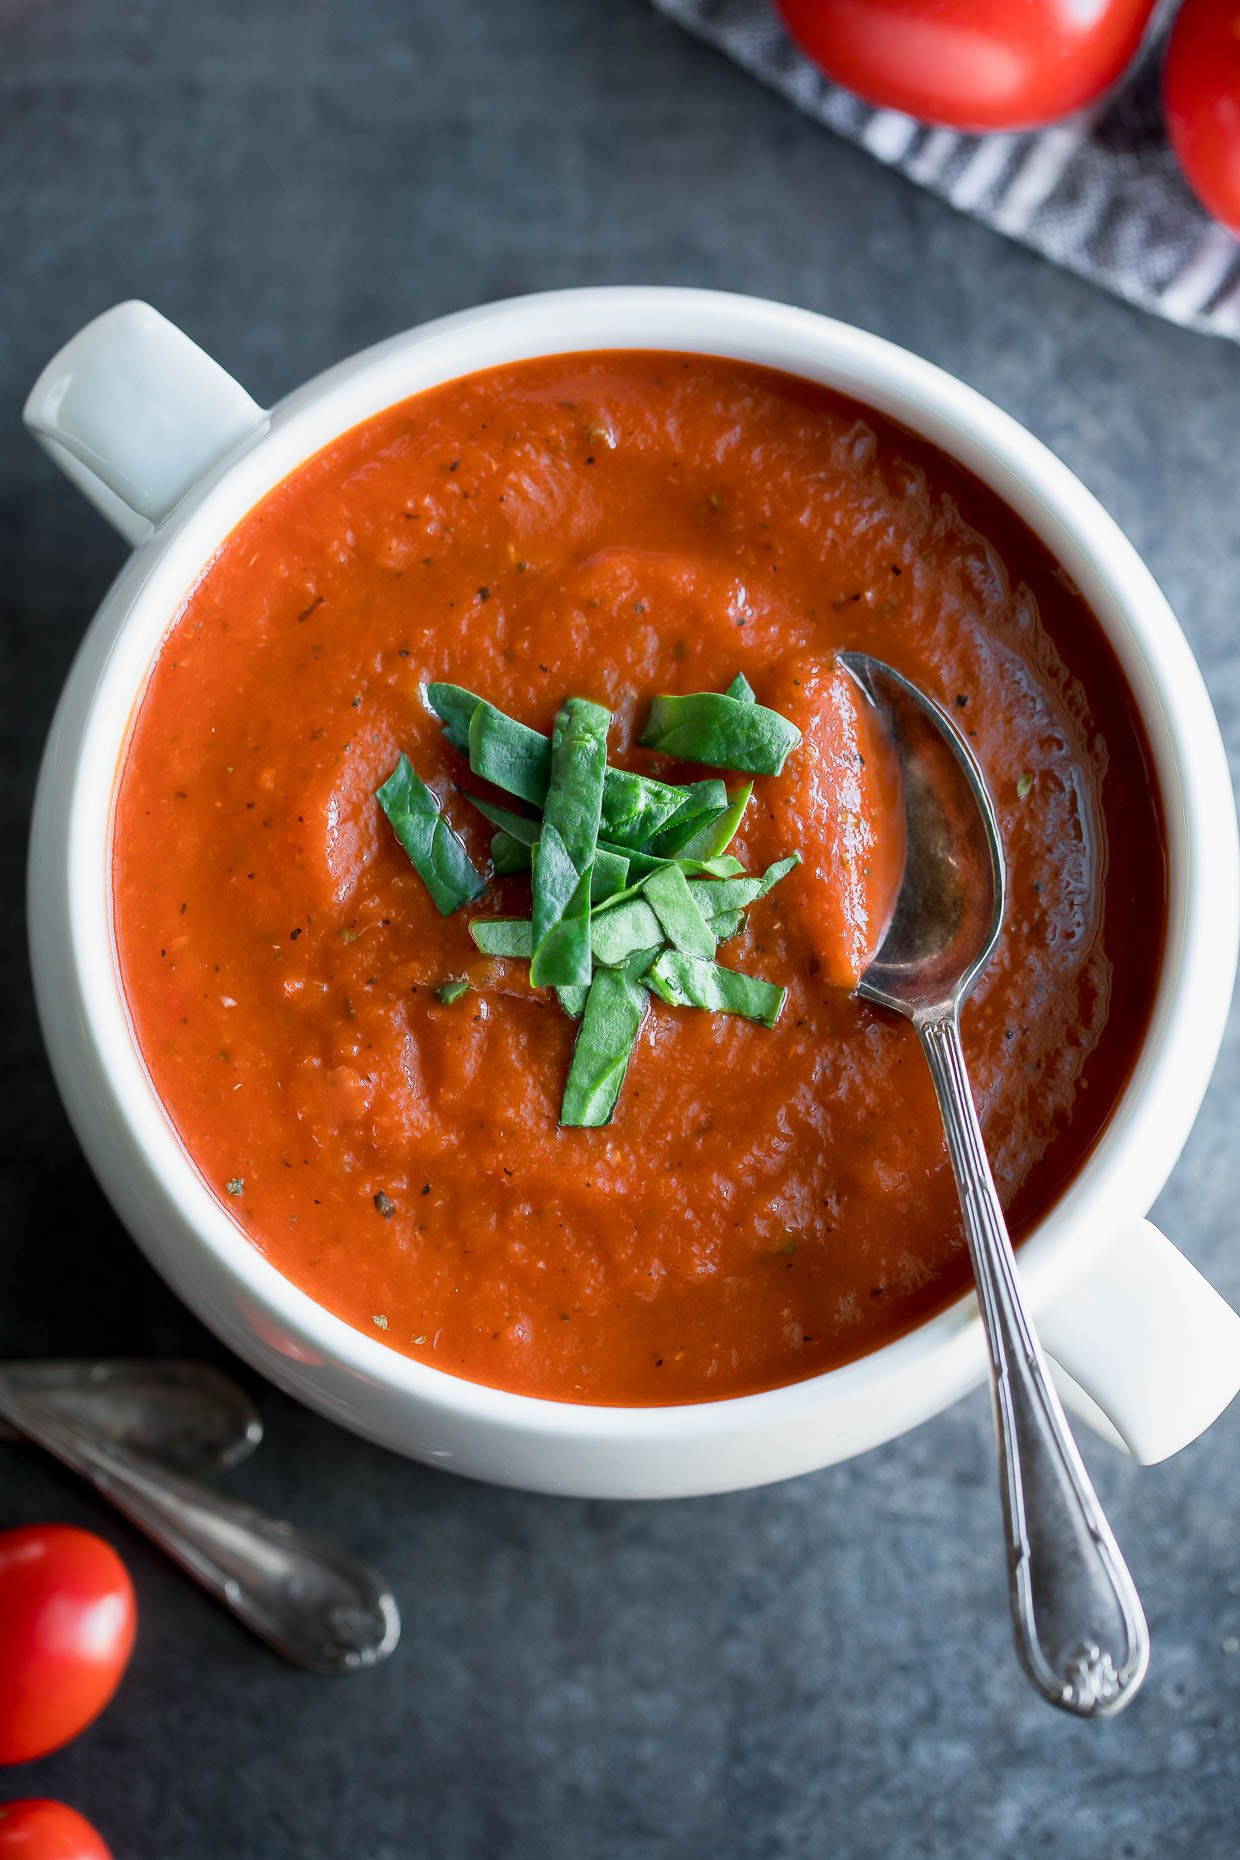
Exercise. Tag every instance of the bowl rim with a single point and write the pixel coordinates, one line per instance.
(1147, 1128)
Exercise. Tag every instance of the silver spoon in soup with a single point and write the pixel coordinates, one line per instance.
(1080, 1629)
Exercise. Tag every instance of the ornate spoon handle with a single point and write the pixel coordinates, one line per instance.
(313, 1603)
(1080, 1629)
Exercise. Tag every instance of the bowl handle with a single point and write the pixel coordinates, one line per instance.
(1142, 1347)
(134, 413)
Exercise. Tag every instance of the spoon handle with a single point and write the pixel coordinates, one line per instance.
(1080, 1630)
(311, 1602)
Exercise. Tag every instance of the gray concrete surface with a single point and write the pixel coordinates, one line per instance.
(816, 1670)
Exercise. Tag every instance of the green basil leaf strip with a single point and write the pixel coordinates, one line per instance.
(436, 852)
(606, 905)
(642, 863)
(687, 981)
(715, 835)
(641, 866)
(564, 855)
(723, 732)
(741, 689)
(714, 896)
(503, 936)
(523, 827)
(573, 1001)
(702, 801)
(778, 871)
(509, 856)
(636, 808)
(636, 889)
(726, 924)
(641, 961)
(505, 752)
(448, 992)
(615, 935)
(671, 901)
(698, 832)
(454, 707)
(608, 876)
(562, 916)
(518, 760)
(614, 1012)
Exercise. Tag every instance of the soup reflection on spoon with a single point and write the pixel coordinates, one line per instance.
(911, 927)
(846, 793)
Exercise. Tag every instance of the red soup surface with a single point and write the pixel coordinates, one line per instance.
(767, 1203)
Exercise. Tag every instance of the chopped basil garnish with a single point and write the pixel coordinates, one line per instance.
(722, 731)
(504, 936)
(523, 827)
(714, 836)
(642, 863)
(632, 888)
(561, 955)
(727, 924)
(441, 860)
(509, 855)
(454, 707)
(672, 903)
(609, 876)
(518, 760)
(714, 895)
(512, 848)
(687, 981)
(614, 1011)
(616, 934)
(704, 802)
(564, 856)
(635, 808)
(505, 752)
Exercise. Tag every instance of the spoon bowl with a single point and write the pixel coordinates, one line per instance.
(189, 1416)
(949, 908)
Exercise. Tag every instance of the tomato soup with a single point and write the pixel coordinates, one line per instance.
(766, 1202)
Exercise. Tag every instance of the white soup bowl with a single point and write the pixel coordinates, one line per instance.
(176, 454)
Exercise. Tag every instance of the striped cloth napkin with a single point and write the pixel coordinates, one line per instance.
(1100, 193)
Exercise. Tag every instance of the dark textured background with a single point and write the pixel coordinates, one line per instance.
(814, 1670)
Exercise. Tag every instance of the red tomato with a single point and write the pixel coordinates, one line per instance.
(1201, 92)
(67, 1619)
(39, 1830)
(971, 64)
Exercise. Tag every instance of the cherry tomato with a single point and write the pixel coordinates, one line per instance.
(1201, 94)
(39, 1830)
(971, 64)
(67, 1619)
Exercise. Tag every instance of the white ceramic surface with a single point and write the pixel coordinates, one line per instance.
(176, 453)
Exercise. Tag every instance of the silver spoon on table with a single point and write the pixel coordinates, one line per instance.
(1080, 1629)
(189, 1416)
(313, 1603)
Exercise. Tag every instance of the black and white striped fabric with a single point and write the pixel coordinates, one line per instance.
(1100, 193)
